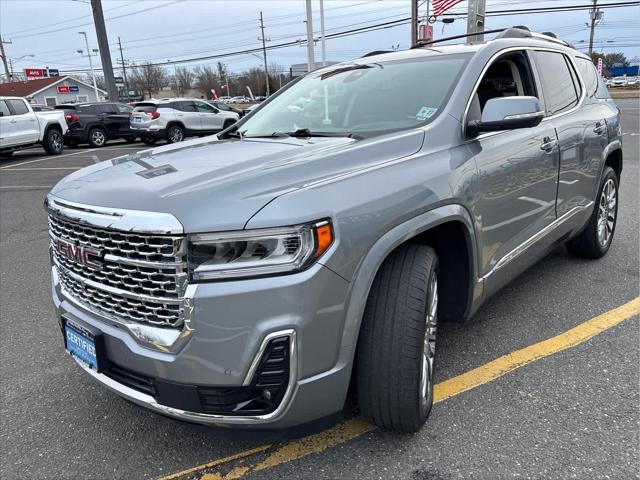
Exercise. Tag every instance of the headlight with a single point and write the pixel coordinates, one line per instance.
(251, 253)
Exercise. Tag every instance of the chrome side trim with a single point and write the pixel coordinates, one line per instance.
(137, 221)
(524, 246)
(206, 418)
(256, 360)
(525, 115)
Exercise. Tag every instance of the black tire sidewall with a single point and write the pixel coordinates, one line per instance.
(608, 173)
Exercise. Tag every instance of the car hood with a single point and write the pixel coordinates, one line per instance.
(212, 185)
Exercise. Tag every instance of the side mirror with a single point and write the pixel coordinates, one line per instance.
(507, 113)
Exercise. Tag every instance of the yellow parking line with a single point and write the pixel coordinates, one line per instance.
(486, 373)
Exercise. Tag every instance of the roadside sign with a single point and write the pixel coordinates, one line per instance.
(63, 89)
(74, 89)
(35, 72)
(425, 32)
(54, 72)
(119, 81)
(600, 66)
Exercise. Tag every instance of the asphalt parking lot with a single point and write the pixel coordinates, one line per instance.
(571, 410)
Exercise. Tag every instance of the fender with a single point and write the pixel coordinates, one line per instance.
(368, 268)
(608, 150)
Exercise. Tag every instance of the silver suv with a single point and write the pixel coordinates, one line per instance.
(174, 119)
(247, 279)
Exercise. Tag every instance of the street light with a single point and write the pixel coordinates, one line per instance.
(93, 74)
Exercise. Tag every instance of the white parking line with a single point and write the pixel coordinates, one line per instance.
(55, 157)
(47, 158)
(14, 187)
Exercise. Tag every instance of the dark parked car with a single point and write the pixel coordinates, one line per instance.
(96, 123)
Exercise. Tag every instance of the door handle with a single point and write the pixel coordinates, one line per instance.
(179, 115)
(548, 144)
(32, 119)
(600, 128)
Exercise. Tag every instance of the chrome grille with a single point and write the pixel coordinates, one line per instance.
(143, 277)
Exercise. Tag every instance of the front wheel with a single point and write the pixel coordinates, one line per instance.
(175, 134)
(53, 143)
(396, 348)
(594, 241)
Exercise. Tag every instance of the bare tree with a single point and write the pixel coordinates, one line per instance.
(205, 80)
(147, 78)
(184, 78)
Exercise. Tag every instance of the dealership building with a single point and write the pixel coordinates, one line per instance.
(52, 91)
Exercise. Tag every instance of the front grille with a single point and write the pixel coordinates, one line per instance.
(142, 277)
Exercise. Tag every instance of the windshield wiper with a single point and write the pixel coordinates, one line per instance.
(305, 132)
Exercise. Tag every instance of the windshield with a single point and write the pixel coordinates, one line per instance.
(360, 99)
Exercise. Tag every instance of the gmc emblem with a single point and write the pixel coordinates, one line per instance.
(86, 256)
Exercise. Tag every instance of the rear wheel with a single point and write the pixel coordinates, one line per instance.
(97, 138)
(175, 134)
(396, 348)
(594, 241)
(149, 141)
(53, 143)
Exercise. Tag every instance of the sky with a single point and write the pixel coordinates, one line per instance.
(176, 30)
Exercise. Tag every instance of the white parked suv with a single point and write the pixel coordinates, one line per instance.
(21, 127)
(177, 118)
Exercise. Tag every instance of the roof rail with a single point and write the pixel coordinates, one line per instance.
(521, 32)
(518, 31)
(376, 52)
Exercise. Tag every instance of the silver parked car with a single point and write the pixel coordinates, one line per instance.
(247, 279)
(174, 119)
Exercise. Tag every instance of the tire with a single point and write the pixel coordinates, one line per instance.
(396, 350)
(227, 124)
(97, 138)
(149, 140)
(175, 134)
(7, 154)
(53, 142)
(594, 241)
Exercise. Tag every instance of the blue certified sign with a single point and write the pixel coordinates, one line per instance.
(81, 346)
(74, 88)
(54, 72)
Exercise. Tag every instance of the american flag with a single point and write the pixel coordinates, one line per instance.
(441, 6)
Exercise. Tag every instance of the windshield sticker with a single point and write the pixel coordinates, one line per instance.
(425, 112)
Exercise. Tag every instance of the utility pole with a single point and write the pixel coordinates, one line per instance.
(596, 15)
(264, 53)
(324, 50)
(124, 69)
(475, 20)
(7, 70)
(414, 22)
(103, 45)
(311, 63)
(93, 73)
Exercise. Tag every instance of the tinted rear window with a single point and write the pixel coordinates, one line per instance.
(18, 107)
(589, 74)
(560, 92)
(145, 108)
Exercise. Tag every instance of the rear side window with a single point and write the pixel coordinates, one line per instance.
(108, 108)
(4, 108)
(18, 107)
(589, 75)
(560, 91)
(122, 108)
(87, 109)
(185, 106)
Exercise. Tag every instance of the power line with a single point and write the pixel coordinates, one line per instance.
(379, 26)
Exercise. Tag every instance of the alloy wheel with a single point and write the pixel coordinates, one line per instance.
(429, 349)
(607, 210)
(176, 135)
(97, 137)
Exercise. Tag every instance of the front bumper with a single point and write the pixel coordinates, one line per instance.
(229, 326)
